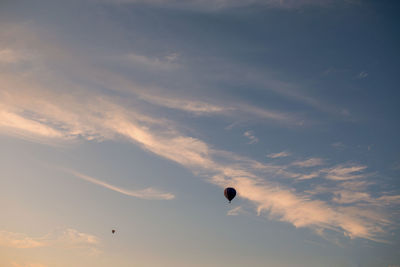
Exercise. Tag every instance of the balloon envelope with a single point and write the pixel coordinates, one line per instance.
(230, 193)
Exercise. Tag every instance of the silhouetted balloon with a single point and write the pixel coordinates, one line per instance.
(113, 231)
(230, 193)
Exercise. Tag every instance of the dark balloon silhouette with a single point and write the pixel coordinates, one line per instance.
(113, 231)
(230, 193)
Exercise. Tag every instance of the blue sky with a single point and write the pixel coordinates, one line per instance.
(135, 115)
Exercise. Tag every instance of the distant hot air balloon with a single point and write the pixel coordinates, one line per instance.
(113, 231)
(230, 193)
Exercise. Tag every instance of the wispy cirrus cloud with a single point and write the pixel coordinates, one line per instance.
(197, 106)
(22, 125)
(18, 240)
(81, 67)
(234, 211)
(14, 264)
(8, 55)
(110, 120)
(282, 154)
(168, 62)
(311, 162)
(147, 193)
(252, 138)
(362, 75)
(193, 106)
(210, 5)
(66, 109)
(65, 238)
(344, 172)
(349, 196)
(287, 206)
(341, 172)
(338, 145)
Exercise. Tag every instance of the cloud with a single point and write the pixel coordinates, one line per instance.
(108, 119)
(211, 5)
(389, 199)
(17, 240)
(338, 145)
(279, 155)
(65, 238)
(8, 55)
(341, 172)
(166, 63)
(40, 117)
(344, 172)
(59, 107)
(263, 113)
(362, 75)
(285, 205)
(349, 196)
(22, 125)
(288, 90)
(148, 193)
(308, 175)
(250, 135)
(309, 162)
(72, 238)
(14, 264)
(355, 192)
(81, 67)
(196, 107)
(235, 211)
(202, 107)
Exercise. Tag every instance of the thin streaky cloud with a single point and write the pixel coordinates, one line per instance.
(282, 154)
(196, 107)
(85, 115)
(389, 199)
(66, 238)
(311, 162)
(211, 5)
(21, 124)
(18, 240)
(284, 205)
(157, 96)
(292, 91)
(338, 145)
(14, 264)
(341, 172)
(252, 138)
(362, 75)
(147, 193)
(153, 83)
(347, 197)
(277, 200)
(234, 211)
(167, 63)
(344, 172)
(311, 175)
(8, 55)
(82, 67)
(203, 107)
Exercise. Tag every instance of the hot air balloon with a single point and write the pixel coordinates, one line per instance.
(230, 193)
(113, 231)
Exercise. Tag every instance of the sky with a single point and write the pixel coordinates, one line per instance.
(134, 115)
